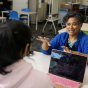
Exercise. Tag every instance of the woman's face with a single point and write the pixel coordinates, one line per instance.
(73, 27)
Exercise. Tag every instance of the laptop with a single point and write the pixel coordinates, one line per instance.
(67, 70)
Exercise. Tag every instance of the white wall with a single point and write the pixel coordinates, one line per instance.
(19, 4)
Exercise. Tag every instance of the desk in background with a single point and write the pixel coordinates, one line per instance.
(71, 7)
(42, 61)
(23, 12)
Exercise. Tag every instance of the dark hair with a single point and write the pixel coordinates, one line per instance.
(14, 35)
(78, 16)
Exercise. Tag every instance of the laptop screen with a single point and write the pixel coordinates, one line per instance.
(67, 65)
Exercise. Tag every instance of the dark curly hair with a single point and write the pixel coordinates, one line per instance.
(14, 35)
(78, 16)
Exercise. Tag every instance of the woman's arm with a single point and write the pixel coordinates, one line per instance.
(66, 49)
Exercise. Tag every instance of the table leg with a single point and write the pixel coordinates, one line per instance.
(2, 16)
(36, 21)
(28, 21)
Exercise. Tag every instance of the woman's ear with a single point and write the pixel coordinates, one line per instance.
(27, 49)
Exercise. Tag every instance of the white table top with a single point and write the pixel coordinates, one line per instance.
(41, 62)
(21, 12)
(2, 18)
(84, 27)
(24, 12)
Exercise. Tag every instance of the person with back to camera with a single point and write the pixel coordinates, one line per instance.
(15, 43)
(73, 41)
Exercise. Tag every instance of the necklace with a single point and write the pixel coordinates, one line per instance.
(71, 44)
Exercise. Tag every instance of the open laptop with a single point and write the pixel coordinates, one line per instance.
(67, 70)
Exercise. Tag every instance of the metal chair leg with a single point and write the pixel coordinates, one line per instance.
(44, 26)
(51, 27)
(54, 28)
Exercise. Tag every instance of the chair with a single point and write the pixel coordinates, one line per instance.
(82, 9)
(14, 15)
(62, 13)
(53, 14)
(24, 15)
(86, 11)
(25, 9)
(3, 18)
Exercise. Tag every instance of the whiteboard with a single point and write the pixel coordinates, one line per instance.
(55, 6)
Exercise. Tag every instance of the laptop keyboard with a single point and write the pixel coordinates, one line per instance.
(63, 81)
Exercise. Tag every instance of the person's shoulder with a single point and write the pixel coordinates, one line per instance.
(40, 75)
(62, 36)
(21, 65)
(19, 72)
(83, 35)
(42, 80)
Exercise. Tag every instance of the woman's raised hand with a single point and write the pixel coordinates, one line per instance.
(66, 49)
(44, 39)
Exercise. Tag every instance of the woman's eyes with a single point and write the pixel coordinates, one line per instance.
(68, 24)
(72, 24)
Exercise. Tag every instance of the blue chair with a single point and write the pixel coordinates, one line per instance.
(81, 5)
(23, 15)
(14, 15)
(26, 10)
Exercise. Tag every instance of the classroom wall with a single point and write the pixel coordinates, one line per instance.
(85, 2)
(19, 4)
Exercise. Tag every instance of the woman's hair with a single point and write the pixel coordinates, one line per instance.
(14, 35)
(78, 16)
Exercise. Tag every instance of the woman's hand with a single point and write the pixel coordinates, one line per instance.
(66, 49)
(44, 40)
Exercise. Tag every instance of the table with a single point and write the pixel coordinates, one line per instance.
(71, 7)
(23, 12)
(84, 27)
(3, 18)
(42, 61)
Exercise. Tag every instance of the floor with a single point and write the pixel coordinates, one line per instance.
(47, 33)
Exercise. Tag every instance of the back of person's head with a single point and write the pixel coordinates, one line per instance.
(14, 36)
(79, 17)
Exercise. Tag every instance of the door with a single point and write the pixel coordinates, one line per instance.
(19, 4)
